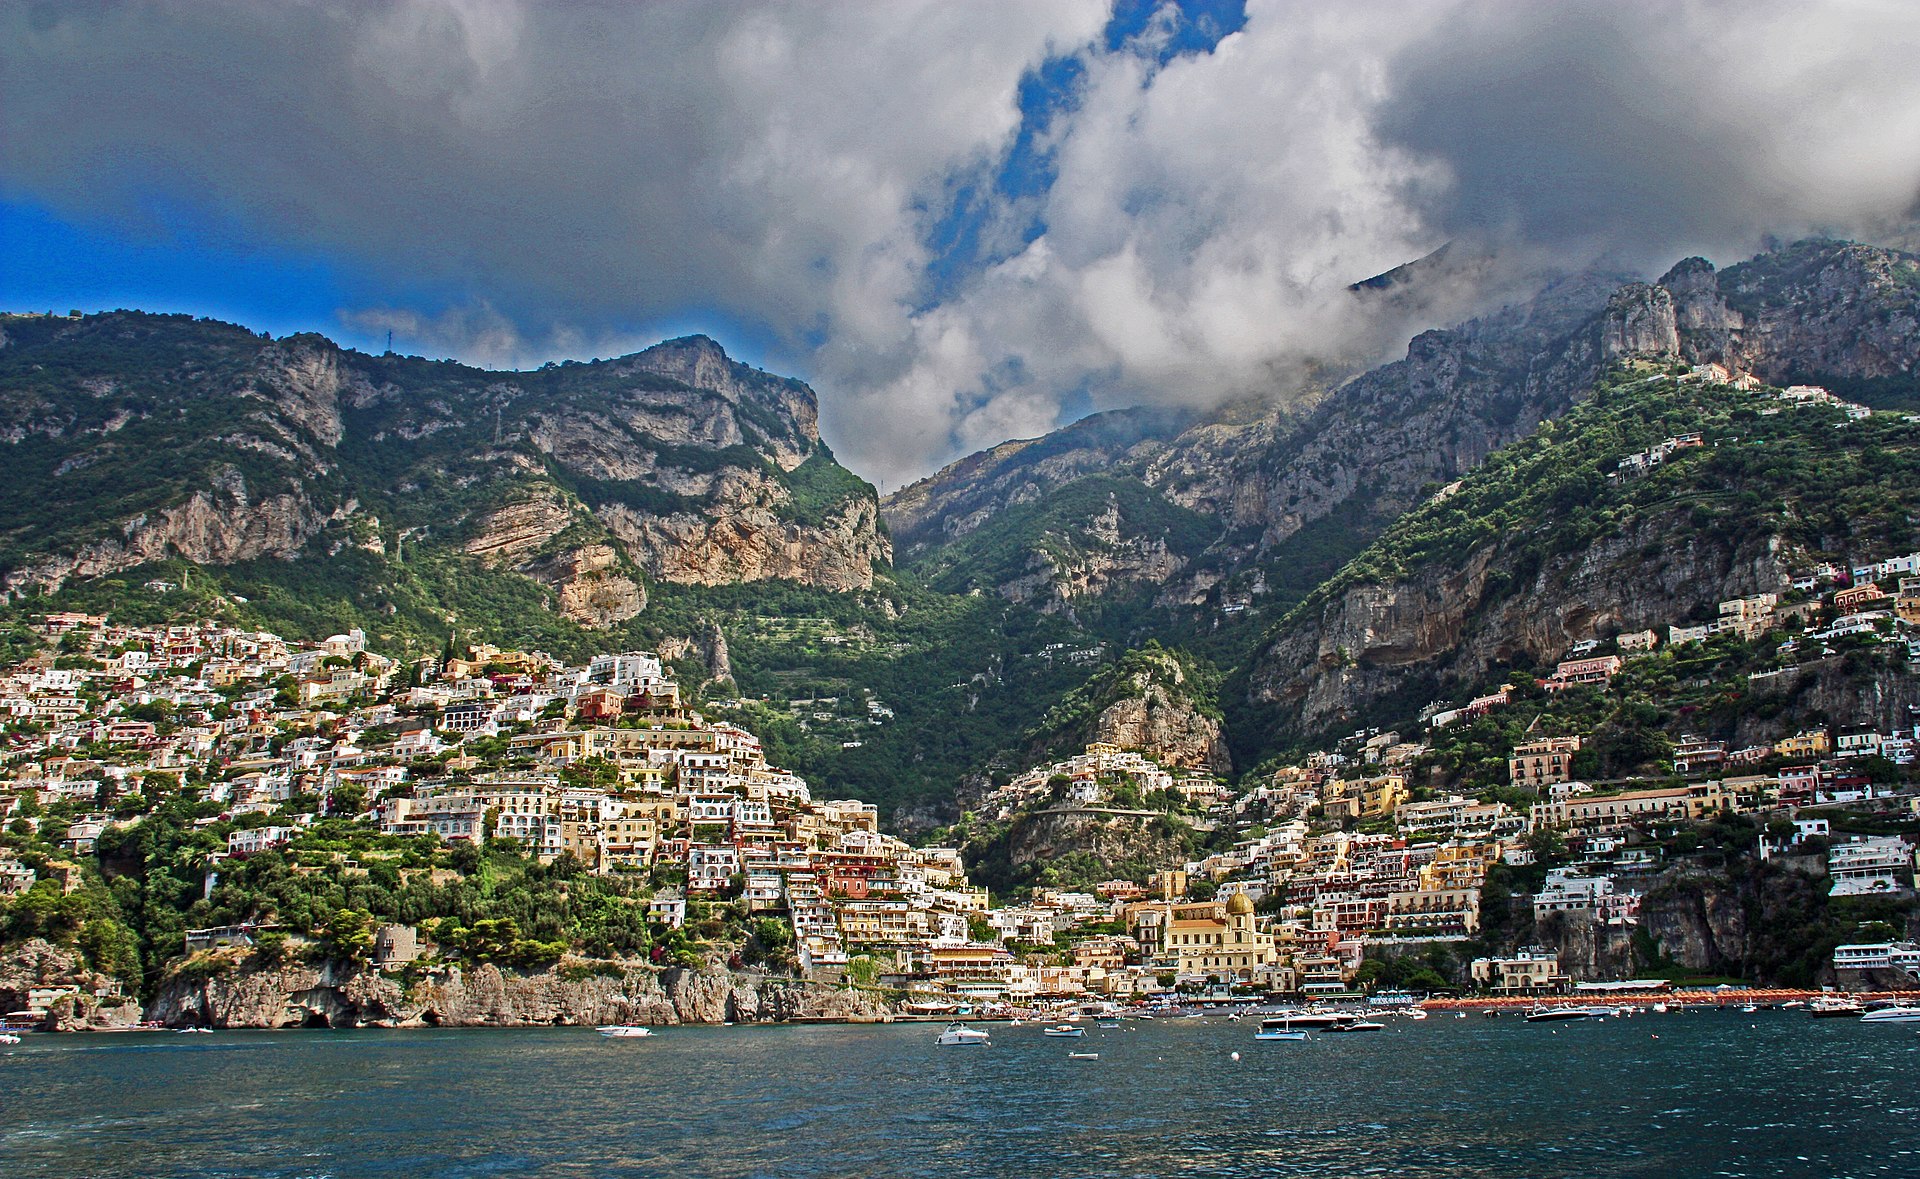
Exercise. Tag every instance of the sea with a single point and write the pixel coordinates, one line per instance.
(1700, 1093)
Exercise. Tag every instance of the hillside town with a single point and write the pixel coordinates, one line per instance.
(1340, 857)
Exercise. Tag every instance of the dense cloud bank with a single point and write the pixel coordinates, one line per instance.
(964, 222)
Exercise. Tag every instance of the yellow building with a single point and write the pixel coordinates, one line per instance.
(1227, 948)
(1812, 743)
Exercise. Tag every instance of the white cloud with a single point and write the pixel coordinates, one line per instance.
(559, 177)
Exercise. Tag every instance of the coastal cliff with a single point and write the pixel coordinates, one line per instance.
(133, 439)
(229, 993)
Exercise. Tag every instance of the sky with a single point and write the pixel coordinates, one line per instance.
(962, 221)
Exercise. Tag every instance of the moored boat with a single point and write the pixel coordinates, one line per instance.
(1065, 1029)
(1550, 1014)
(1834, 1007)
(959, 1035)
(623, 1031)
(1897, 1013)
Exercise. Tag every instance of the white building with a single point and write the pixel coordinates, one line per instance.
(1868, 866)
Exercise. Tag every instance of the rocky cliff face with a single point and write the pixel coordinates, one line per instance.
(96, 1002)
(750, 541)
(1043, 836)
(1449, 624)
(1147, 702)
(1165, 724)
(344, 995)
(1371, 449)
(218, 525)
(165, 437)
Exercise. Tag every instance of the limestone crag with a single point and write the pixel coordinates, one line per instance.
(676, 463)
(94, 1000)
(218, 526)
(591, 585)
(1375, 446)
(1167, 727)
(1443, 625)
(348, 995)
(1109, 837)
(750, 541)
(514, 531)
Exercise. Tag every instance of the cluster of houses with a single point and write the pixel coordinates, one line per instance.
(1103, 777)
(604, 763)
(601, 762)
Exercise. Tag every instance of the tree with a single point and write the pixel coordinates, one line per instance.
(348, 934)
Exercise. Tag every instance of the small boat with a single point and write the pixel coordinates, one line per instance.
(1459, 1015)
(1358, 1025)
(1064, 1029)
(9, 1038)
(1550, 1014)
(1749, 1009)
(1108, 1024)
(623, 1031)
(1659, 1008)
(1416, 1014)
(1834, 1007)
(1083, 1056)
(959, 1035)
(1898, 1013)
(1279, 1034)
(195, 1031)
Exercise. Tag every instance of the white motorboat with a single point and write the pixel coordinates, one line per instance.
(1416, 1013)
(1550, 1014)
(1064, 1029)
(1898, 1013)
(1083, 1056)
(1834, 1007)
(959, 1035)
(623, 1031)
(1296, 1020)
(9, 1038)
(1358, 1025)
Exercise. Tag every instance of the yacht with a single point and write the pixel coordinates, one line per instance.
(960, 1035)
(1834, 1007)
(1898, 1013)
(1064, 1029)
(1306, 1020)
(623, 1031)
(1359, 1025)
(1548, 1014)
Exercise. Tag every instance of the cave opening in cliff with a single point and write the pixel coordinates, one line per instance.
(316, 1019)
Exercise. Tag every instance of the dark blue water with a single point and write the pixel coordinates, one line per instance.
(1702, 1094)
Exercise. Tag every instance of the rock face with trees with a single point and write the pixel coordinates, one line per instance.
(161, 435)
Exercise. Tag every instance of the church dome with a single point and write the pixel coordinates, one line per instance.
(1239, 906)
